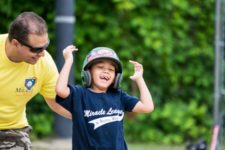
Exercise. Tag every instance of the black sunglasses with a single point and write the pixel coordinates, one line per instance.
(36, 49)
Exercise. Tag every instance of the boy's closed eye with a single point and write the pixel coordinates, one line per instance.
(102, 68)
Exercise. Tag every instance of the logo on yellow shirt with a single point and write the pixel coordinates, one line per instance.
(29, 83)
(27, 90)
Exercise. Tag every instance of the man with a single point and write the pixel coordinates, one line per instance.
(26, 69)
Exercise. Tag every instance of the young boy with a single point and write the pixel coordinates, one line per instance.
(98, 106)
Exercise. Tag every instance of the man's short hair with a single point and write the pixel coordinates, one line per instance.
(27, 23)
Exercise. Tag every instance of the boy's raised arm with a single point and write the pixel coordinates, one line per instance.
(145, 104)
(62, 88)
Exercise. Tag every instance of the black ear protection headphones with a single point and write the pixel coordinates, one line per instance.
(98, 54)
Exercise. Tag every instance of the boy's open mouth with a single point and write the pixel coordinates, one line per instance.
(103, 77)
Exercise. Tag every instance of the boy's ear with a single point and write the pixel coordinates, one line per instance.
(86, 78)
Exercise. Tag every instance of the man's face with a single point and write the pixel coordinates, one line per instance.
(33, 49)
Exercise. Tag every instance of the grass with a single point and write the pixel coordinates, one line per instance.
(140, 146)
(66, 144)
(137, 147)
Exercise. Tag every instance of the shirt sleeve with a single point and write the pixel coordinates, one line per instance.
(50, 77)
(67, 102)
(128, 101)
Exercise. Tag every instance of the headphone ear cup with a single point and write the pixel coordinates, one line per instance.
(117, 81)
(86, 78)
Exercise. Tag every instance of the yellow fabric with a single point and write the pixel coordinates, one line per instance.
(19, 82)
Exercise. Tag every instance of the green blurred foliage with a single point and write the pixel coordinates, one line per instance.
(172, 39)
(40, 117)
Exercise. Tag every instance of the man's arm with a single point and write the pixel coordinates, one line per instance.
(58, 109)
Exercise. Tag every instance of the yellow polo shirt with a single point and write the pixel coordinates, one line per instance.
(19, 82)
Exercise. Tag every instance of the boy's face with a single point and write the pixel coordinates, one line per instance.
(103, 75)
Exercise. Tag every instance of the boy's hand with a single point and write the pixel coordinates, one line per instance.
(138, 70)
(68, 52)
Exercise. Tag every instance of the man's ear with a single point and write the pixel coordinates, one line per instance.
(15, 42)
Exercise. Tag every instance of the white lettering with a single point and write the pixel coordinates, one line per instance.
(104, 120)
(89, 113)
(114, 111)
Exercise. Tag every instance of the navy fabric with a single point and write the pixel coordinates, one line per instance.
(98, 118)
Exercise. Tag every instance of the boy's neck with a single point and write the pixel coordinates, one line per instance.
(97, 90)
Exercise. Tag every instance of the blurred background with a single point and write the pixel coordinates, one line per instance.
(174, 40)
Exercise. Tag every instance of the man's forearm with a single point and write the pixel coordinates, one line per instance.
(58, 109)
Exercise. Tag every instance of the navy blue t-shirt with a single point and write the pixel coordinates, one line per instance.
(97, 117)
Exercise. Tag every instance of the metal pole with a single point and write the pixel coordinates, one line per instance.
(218, 75)
(64, 36)
(217, 71)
